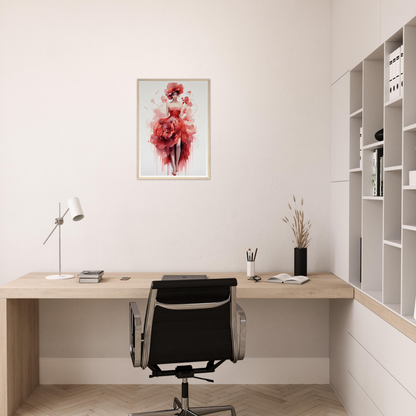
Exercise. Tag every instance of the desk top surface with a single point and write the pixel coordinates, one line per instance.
(35, 286)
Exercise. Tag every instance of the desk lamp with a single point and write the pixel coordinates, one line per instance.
(75, 210)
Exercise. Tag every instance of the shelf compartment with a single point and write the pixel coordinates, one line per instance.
(409, 108)
(409, 155)
(373, 105)
(392, 205)
(409, 273)
(367, 155)
(355, 215)
(356, 89)
(393, 131)
(392, 275)
(355, 125)
(409, 208)
(372, 246)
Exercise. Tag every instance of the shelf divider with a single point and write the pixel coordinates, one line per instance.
(357, 114)
(393, 168)
(375, 145)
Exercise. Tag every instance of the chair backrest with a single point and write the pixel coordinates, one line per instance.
(190, 321)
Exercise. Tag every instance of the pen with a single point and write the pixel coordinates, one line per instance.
(249, 255)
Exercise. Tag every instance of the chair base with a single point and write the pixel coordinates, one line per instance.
(179, 410)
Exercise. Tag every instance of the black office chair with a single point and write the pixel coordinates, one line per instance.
(186, 322)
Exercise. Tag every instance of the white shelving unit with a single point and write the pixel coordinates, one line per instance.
(384, 227)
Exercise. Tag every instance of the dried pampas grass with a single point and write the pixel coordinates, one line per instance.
(299, 227)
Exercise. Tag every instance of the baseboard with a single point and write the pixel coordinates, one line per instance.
(248, 371)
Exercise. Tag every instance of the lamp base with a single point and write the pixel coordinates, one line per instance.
(60, 276)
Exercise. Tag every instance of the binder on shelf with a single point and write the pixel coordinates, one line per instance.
(401, 69)
(397, 72)
(391, 57)
(394, 74)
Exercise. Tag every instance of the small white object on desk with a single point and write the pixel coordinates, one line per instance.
(251, 269)
(287, 278)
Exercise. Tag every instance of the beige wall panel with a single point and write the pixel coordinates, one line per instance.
(247, 371)
(364, 29)
(394, 15)
(99, 328)
(340, 105)
(339, 229)
(340, 38)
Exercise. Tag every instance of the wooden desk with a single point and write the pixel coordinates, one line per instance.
(19, 315)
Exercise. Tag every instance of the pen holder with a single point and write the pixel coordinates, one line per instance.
(251, 269)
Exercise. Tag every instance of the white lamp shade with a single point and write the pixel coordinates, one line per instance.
(75, 209)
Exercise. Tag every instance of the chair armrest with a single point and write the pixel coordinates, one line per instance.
(241, 331)
(135, 335)
(192, 306)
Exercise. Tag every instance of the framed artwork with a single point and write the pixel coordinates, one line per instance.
(173, 129)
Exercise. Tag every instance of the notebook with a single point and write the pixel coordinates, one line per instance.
(285, 278)
(184, 276)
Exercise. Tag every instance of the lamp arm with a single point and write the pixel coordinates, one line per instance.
(58, 221)
(65, 213)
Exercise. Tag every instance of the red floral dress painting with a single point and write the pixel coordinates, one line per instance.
(173, 130)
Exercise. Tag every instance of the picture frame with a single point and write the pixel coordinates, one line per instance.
(173, 129)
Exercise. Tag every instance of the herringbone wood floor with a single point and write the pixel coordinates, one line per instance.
(121, 400)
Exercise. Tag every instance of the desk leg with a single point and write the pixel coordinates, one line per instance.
(19, 352)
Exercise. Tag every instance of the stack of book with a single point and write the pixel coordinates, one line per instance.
(91, 276)
(412, 178)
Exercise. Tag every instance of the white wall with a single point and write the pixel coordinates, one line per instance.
(68, 73)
